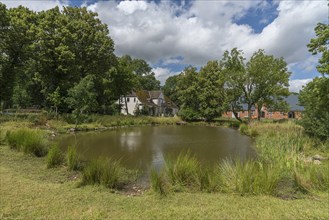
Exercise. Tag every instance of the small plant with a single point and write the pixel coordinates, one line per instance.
(72, 158)
(159, 183)
(55, 157)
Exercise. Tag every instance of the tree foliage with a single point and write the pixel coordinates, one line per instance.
(315, 95)
(320, 45)
(315, 98)
(82, 98)
(262, 81)
(44, 54)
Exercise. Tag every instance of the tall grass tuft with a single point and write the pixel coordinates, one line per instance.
(28, 140)
(159, 183)
(184, 170)
(72, 158)
(55, 157)
(104, 172)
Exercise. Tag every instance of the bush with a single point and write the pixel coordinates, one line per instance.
(72, 158)
(28, 140)
(189, 114)
(55, 157)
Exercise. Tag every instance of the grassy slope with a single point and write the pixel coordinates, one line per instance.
(28, 190)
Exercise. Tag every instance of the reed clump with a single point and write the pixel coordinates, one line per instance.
(72, 159)
(55, 157)
(29, 141)
(106, 172)
(279, 169)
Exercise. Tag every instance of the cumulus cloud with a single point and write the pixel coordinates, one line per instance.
(205, 30)
(297, 84)
(163, 73)
(35, 5)
(200, 31)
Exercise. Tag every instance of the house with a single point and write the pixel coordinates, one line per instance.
(153, 103)
(295, 111)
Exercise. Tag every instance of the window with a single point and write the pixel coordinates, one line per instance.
(134, 99)
(128, 99)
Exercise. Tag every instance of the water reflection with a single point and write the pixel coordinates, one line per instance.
(146, 147)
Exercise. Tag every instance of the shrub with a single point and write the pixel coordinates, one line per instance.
(72, 158)
(189, 114)
(55, 157)
(28, 140)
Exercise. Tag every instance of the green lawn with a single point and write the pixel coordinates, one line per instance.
(29, 190)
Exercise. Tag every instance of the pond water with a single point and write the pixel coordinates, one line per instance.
(147, 147)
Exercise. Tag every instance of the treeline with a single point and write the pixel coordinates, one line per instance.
(230, 84)
(64, 59)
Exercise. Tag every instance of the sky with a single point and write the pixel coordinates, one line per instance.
(171, 35)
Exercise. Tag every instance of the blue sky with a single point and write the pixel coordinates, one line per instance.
(171, 35)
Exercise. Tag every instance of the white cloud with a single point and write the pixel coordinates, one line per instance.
(297, 84)
(129, 7)
(35, 5)
(163, 73)
(203, 31)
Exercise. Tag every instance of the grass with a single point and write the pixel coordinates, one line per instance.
(279, 169)
(106, 172)
(30, 191)
(55, 157)
(72, 158)
(28, 141)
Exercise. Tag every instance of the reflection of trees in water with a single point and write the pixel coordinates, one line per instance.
(146, 147)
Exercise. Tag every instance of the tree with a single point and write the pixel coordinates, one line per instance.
(233, 70)
(262, 81)
(315, 95)
(269, 81)
(55, 99)
(211, 91)
(16, 38)
(188, 90)
(315, 98)
(320, 45)
(170, 88)
(82, 98)
(72, 44)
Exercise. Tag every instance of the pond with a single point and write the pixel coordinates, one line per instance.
(147, 147)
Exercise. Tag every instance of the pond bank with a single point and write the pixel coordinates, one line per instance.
(29, 191)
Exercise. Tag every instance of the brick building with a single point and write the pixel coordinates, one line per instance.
(295, 111)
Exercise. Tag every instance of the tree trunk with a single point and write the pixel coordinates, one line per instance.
(249, 112)
(259, 112)
(236, 114)
(126, 105)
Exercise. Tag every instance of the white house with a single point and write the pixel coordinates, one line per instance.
(153, 103)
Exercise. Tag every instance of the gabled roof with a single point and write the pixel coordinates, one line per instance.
(144, 97)
(155, 94)
(132, 94)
